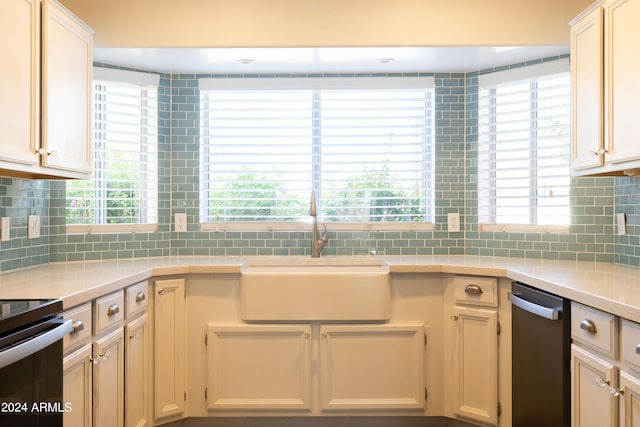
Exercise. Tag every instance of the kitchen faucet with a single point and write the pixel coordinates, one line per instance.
(317, 243)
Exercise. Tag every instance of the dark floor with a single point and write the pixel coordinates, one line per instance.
(320, 422)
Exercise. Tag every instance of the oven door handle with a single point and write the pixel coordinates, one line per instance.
(538, 310)
(27, 348)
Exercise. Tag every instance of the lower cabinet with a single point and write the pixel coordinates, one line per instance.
(366, 367)
(473, 349)
(629, 404)
(106, 376)
(77, 376)
(137, 373)
(169, 348)
(593, 403)
(259, 367)
(475, 364)
(269, 367)
(108, 380)
(605, 374)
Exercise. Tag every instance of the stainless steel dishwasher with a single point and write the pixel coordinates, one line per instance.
(541, 358)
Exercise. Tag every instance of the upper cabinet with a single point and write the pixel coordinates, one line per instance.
(45, 95)
(605, 89)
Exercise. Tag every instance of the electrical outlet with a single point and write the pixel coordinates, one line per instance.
(5, 234)
(453, 222)
(33, 227)
(180, 225)
(622, 224)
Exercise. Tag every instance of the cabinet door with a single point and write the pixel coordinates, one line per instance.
(475, 364)
(136, 374)
(259, 367)
(108, 380)
(629, 400)
(67, 51)
(587, 81)
(592, 404)
(77, 387)
(20, 32)
(169, 348)
(365, 367)
(623, 86)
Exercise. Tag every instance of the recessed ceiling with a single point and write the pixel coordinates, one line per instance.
(322, 60)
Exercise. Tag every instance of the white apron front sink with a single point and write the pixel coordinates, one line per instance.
(306, 289)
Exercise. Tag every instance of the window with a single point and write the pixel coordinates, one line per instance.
(524, 148)
(122, 192)
(363, 145)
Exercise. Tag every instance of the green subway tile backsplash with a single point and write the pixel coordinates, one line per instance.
(594, 201)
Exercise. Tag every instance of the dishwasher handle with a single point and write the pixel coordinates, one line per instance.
(538, 310)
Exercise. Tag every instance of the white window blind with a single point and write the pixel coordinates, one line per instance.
(364, 146)
(123, 187)
(524, 146)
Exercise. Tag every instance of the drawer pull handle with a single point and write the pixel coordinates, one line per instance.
(113, 309)
(140, 296)
(473, 290)
(77, 325)
(589, 326)
(638, 349)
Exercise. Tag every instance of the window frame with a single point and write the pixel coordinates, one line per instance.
(490, 82)
(101, 74)
(319, 83)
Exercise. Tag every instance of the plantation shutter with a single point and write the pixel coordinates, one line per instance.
(524, 145)
(364, 145)
(123, 188)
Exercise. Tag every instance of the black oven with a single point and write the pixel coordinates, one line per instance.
(31, 335)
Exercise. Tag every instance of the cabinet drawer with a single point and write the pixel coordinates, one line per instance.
(81, 316)
(594, 329)
(630, 343)
(108, 312)
(475, 290)
(137, 297)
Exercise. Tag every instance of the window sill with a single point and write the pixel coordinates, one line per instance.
(111, 228)
(526, 228)
(306, 226)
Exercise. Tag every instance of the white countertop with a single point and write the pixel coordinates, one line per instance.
(609, 287)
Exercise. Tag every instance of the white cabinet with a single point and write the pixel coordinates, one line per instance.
(591, 400)
(359, 367)
(606, 91)
(473, 349)
(45, 95)
(136, 373)
(77, 388)
(587, 92)
(629, 404)
(169, 348)
(259, 367)
(605, 385)
(372, 367)
(108, 380)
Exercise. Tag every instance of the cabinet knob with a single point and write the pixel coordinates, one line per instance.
(77, 325)
(47, 152)
(113, 309)
(140, 296)
(454, 317)
(473, 290)
(589, 326)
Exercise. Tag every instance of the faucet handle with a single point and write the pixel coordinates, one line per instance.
(325, 235)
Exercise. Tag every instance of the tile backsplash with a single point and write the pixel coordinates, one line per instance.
(594, 202)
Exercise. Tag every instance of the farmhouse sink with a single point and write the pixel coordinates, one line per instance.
(307, 289)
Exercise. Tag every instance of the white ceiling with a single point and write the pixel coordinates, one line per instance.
(322, 60)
